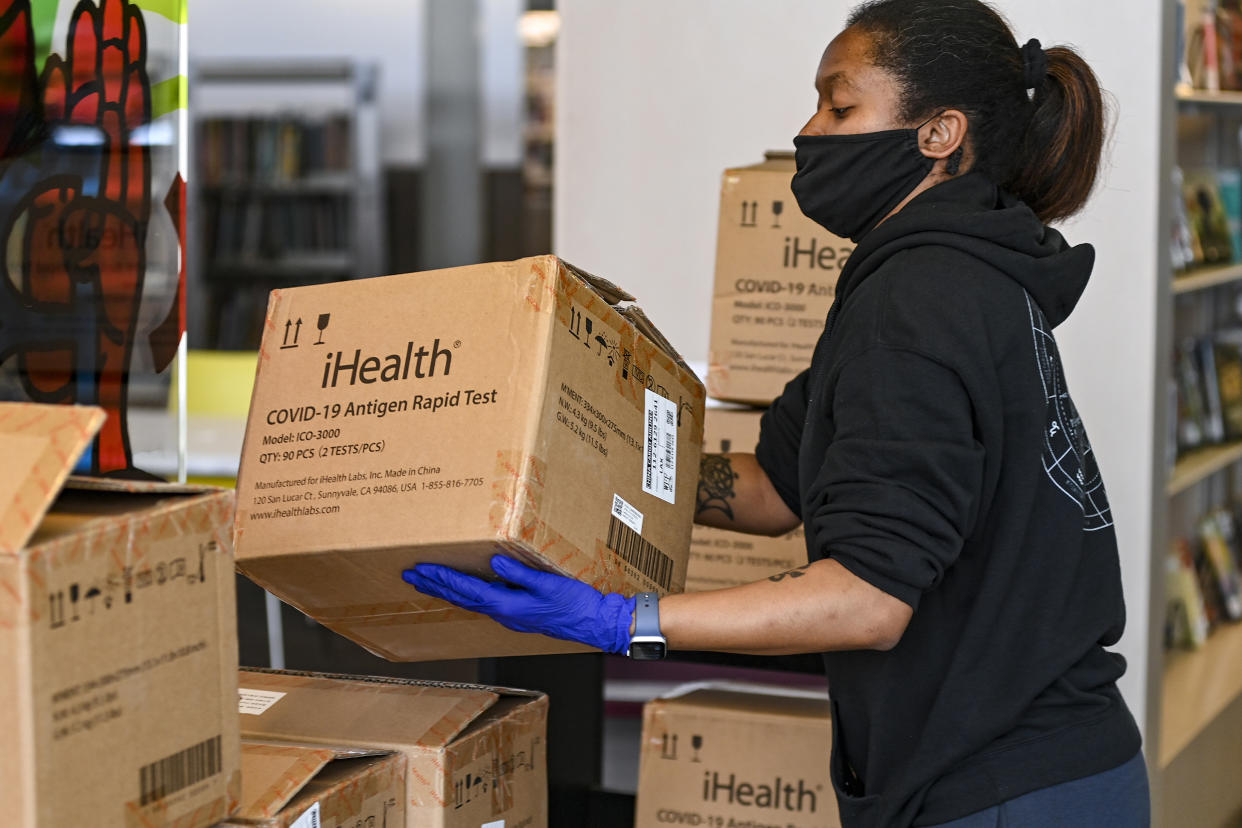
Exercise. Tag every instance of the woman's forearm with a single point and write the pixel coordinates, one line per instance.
(819, 607)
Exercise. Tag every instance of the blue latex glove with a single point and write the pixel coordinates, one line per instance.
(528, 600)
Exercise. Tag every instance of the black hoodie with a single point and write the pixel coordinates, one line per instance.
(932, 448)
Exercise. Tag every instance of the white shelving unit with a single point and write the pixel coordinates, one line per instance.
(285, 185)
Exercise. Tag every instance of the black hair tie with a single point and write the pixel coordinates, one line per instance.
(1034, 64)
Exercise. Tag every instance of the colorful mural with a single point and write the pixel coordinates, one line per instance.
(92, 209)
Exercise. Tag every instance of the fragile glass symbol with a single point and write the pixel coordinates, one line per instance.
(322, 324)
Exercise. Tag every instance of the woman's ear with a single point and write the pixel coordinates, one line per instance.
(943, 135)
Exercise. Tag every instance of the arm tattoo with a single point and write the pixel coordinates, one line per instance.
(716, 478)
(791, 573)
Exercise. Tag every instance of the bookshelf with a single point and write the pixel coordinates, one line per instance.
(285, 187)
(1194, 696)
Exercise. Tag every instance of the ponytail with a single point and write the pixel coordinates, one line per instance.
(961, 54)
(1060, 152)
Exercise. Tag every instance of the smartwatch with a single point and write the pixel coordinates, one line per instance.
(646, 644)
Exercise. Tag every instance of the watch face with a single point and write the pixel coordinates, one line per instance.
(647, 650)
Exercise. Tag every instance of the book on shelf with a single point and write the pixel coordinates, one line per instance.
(1228, 25)
(272, 151)
(1209, 51)
(1191, 413)
(1204, 578)
(1209, 588)
(1186, 621)
(1182, 80)
(1181, 239)
(1213, 414)
(1227, 520)
(268, 227)
(1207, 386)
(1206, 218)
(1227, 353)
(1224, 577)
(1229, 186)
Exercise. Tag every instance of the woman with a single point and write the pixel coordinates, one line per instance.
(964, 578)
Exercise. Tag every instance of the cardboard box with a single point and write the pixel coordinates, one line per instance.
(776, 275)
(448, 415)
(300, 786)
(723, 756)
(720, 558)
(476, 755)
(118, 638)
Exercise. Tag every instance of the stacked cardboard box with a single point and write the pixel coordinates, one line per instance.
(776, 275)
(467, 755)
(118, 640)
(287, 785)
(733, 756)
(720, 558)
(525, 407)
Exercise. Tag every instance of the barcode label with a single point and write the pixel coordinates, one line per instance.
(627, 514)
(172, 773)
(660, 447)
(640, 553)
(310, 819)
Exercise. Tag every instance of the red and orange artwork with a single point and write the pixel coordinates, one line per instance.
(75, 209)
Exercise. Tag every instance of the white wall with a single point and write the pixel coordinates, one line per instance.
(657, 97)
(391, 32)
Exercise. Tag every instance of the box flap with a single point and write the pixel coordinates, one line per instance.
(619, 299)
(116, 484)
(774, 161)
(371, 712)
(639, 319)
(612, 294)
(272, 774)
(745, 697)
(40, 445)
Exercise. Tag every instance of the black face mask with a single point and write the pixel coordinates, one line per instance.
(848, 183)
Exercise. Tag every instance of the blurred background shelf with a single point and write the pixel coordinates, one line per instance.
(1205, 98)
(286, 186)
(1198, 687)
(1206, 278)
(1200, 464)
